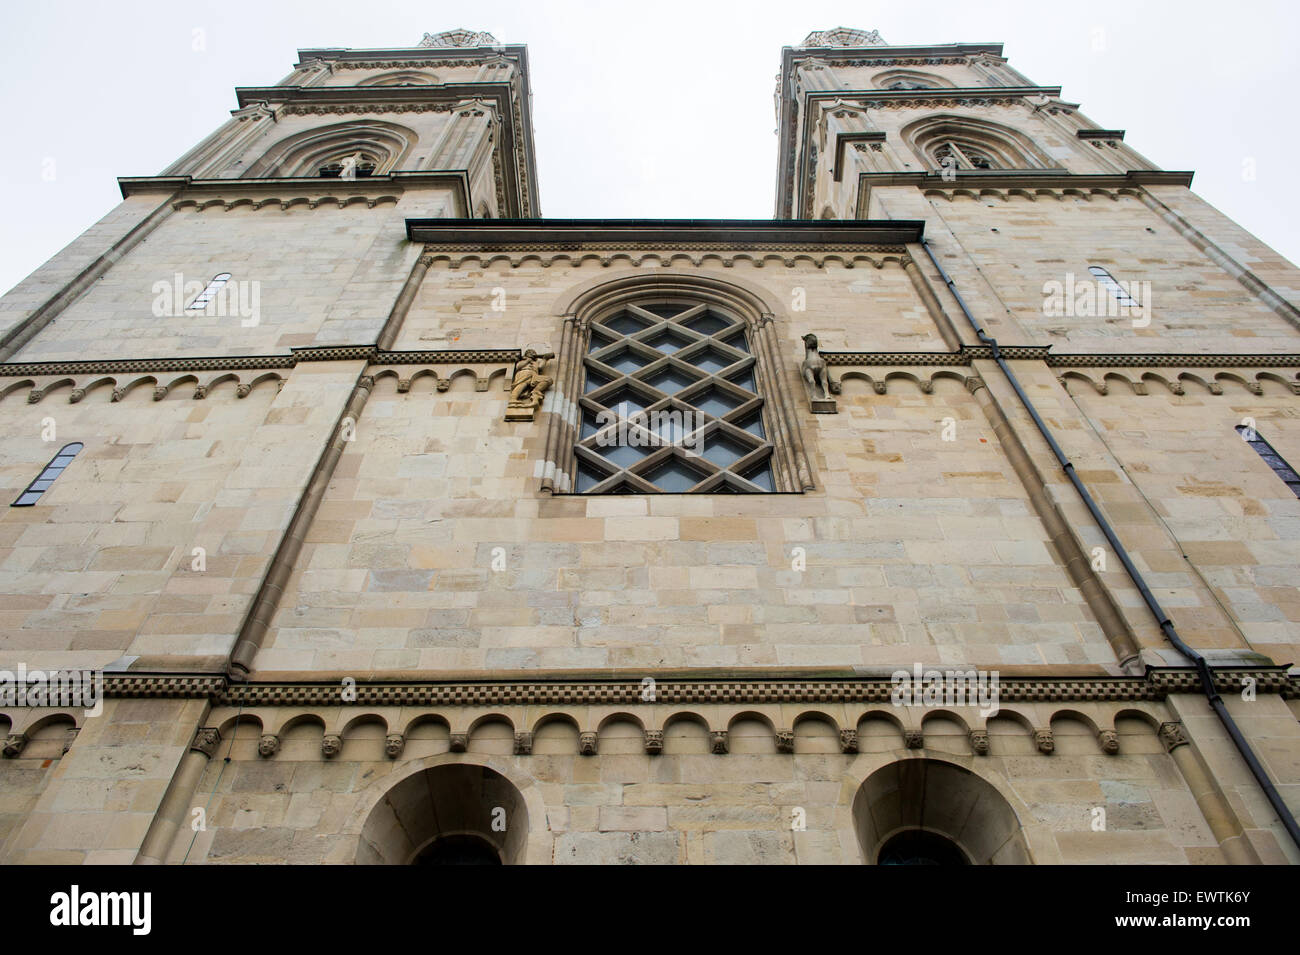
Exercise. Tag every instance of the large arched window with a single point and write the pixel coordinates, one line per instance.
(342, 150)
(909, 80)
(401, 78)
(671, 403)
(949, 154)
(670, 381)
(353, 165)
(965, 143)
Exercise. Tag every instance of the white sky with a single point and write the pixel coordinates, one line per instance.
(655, 110)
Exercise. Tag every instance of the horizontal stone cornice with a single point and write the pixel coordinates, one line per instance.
(254, 362)
(436, 98)
(369, 353)
(424, 56)
(1029, 178)
(929, 98)
(230, 190)
(969, 353)
(661, 233)
(1155, 684)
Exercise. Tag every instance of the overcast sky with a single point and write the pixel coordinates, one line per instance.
(656, 110)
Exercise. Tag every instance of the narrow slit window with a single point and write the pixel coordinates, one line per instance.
(1115, 288)
(208, 294)
(33, 492)
(1274, 460)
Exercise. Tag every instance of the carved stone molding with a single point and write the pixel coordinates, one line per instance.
(326, 109)
(848, 741)
(331, 745)
(492, 356)
(718, 743)
(523, 744)
(328, 199)
(70, 738)
(13, 745)
(885, 60)
(979, 742)
(913, 739)
(784, 741)
(1044, 740)
(654, 742)
(1177, 382)
(587, 744)
(459, 742)
(268, 745)
(1109, 742)
(206, 740)
(1173, 735)
(1156, 684)
(638, 253)
(418, 64)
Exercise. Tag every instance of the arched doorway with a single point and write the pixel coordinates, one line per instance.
(928, 812)
(463, 849)
(454, 814)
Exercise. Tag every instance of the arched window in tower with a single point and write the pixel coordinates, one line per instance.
(357, 165)
(671, 404)
(950, 155)
(967, 144)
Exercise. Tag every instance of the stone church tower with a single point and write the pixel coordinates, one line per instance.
(944, 517)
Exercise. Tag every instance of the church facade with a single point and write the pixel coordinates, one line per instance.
(359, 513)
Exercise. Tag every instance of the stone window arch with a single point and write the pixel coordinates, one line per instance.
(909, 80)
(372, 147)
(671, 384)
(401, 78)
(965, 143)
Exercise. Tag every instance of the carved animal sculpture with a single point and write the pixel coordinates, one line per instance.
(814, 369)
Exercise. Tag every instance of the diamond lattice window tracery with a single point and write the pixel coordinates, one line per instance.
(671, 404)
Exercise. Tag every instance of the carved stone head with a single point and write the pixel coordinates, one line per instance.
(268, 745)
(331, 745)
(979, 742)
(394, 743)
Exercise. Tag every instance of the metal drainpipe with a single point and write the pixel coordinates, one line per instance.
(1166, 625)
